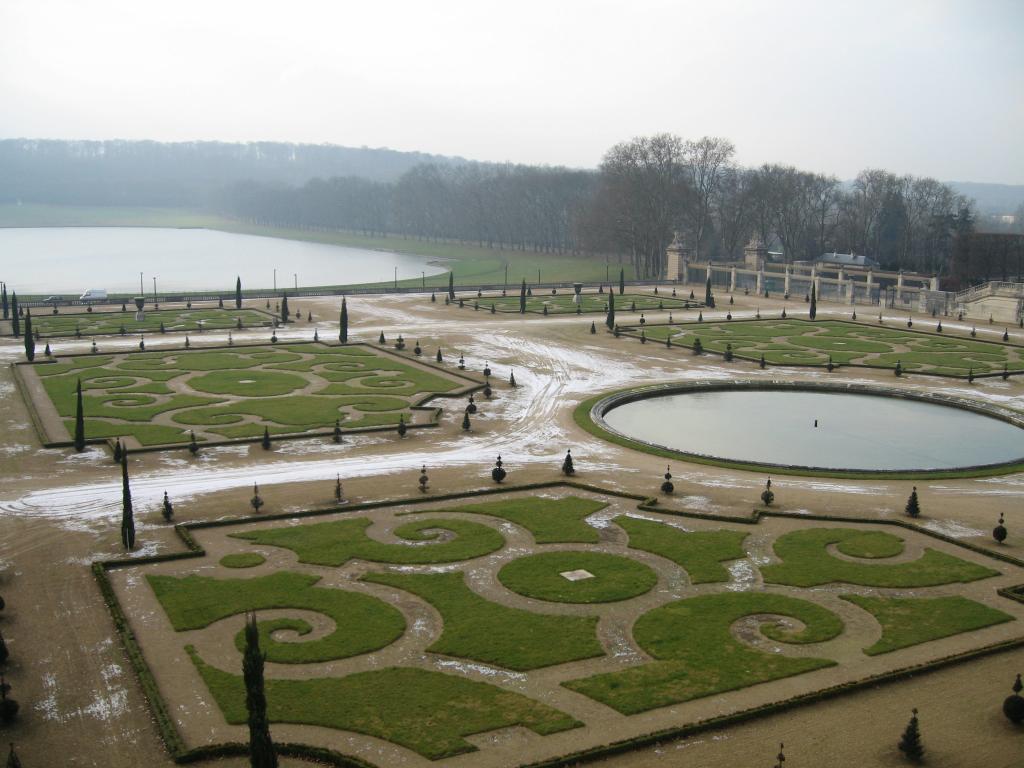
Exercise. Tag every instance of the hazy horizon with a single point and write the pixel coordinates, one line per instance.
(927, 88)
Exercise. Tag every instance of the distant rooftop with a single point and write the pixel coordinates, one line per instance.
(847, 260)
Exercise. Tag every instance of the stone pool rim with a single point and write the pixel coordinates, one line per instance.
(591, 412)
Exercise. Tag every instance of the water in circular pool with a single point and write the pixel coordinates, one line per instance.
(826, 430)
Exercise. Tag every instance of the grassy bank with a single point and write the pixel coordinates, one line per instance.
(471, 264)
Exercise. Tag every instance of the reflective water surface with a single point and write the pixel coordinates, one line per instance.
(69, 260)
(853, 431)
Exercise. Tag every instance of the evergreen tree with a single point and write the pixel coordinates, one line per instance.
(168, 510)
(261, 748)
(337, 431)
(814, 303)
(339, 492)
(512, 379)
(3, 300)
(4, 653)
(30, 340)
(465, 421)
(79, 420)
(127, 514)
(910, 742)
(265, 442)
(567, 467)
(343, 332)
(285, 314)
(709, 299)
(593, 327)
(439, 357)
(610, 320)
(913, 508)
(401, 426)
(193, 446)
(15, 320)
(622, 281)
(382, 340)
(118, 452)
(522, 298)
(12, 758)
(451, 286)
(8, 707)
(238, 292)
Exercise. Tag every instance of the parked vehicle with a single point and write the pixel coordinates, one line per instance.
(94, 294)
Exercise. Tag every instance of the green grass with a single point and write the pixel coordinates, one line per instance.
(242, 560)
(807, 563)
(551, 521)
(803, 342)
(481, 630)
(174, 320)
(908, 621)
(427, 712)
(614, 577)
(338, 541)
(697, 655)
(362, 623)
(359, 386)
(699, 553)
(562, 302)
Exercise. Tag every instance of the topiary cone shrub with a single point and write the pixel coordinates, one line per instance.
(424, 481)
(567, 466)
(913, 508)
(256, 502)
(910, 742)
(471, 407)
(265, 442)
(698, 348)
(402, 428)
(336, 436)
(1013, 706)
(767, 495)
(466, 426)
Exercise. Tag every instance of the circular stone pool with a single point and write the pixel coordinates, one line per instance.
(858, 429)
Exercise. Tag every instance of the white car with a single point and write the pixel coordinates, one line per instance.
(94, 294)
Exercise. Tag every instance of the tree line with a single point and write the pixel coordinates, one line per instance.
(644, 191)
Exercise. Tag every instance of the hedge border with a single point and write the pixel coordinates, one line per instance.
(472, 385)
(175, 744)
(632, 331)
(589, 416)
(271, 317)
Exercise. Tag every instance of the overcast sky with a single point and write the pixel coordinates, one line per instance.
(924, 87)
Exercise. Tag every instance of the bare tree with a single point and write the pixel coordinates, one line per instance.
(705, 160)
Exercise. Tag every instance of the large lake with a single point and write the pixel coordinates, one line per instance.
(865, 432)
(69, 260)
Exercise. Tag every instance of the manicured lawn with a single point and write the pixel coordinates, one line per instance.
(427, 712)
(551, 521)
(338, 541)
(803, 342)
(699, 553)
(590, 301)
(481, 630)
(239, 392)
(242, 560)
(362, 623)
(698, 656)
(172, 320)
(613, 577)
(908, 621)
(807, 563)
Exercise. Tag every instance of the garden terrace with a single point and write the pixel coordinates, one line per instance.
(404, 633)
(171, 321)
(813, 343)
(562, 303)
(157, 399)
